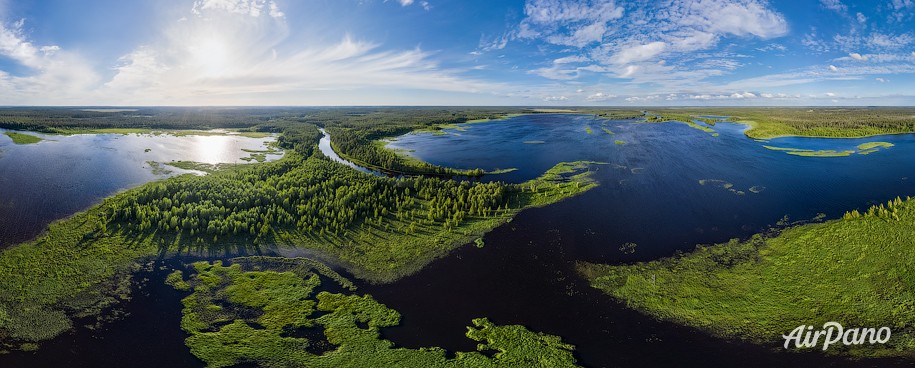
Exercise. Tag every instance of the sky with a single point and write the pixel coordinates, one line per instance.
(457, 52)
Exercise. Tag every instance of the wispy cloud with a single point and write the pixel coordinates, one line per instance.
(226, 52)
(835, 5)
(634, 40)
(57, 75)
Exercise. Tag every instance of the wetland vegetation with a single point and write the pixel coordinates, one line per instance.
(851, 270)
(280, 317)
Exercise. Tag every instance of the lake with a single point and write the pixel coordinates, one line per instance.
(62, 175)
(667, 188)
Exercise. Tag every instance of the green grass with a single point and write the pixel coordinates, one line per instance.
(858, 271)
(20, 138)
(250, 315)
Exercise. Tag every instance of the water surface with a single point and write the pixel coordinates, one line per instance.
(62, 175)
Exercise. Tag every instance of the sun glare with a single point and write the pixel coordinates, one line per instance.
(211, 57)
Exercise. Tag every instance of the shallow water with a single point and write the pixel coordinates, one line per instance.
(62, 175)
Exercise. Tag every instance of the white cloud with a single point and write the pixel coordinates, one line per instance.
(56, 75)
(830, 94)
(424, 4)
(254, 8)
(833, 68)
(743, 95)
(600, 96)
(555, 98)
(881, 80)
(570, 23)
(14, 46)
(498, 43)
(627, 39)
(861, 18)
(636, 53)
(901, 9)
(643, 98)
(232, 52)
(571, 59)
(834, 5)
(857, 56)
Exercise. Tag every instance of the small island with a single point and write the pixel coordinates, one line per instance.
(20, 138)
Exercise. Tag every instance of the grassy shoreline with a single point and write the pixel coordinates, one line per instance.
(857, 271)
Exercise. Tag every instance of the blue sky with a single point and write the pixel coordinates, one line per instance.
(457, 52)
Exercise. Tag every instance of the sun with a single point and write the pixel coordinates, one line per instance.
(210, 57)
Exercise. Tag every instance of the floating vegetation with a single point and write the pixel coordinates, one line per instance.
(501, 171)
(199, 166)
(872, 145)
(260, 155)
(722, 183)
(786, 149)
(618, 166)
(637, 170)
(628, 248)
(729, 186)
(608, 131)
(281, 318)
(479, 242)
(588, 129)
(157, 168)
(822, 153)
(147, 150)
(620, 142)
(534, 142)
(694, 125)
(862, 149)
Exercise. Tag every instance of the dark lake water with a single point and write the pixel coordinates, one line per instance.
(667, 188)
(62, 175)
